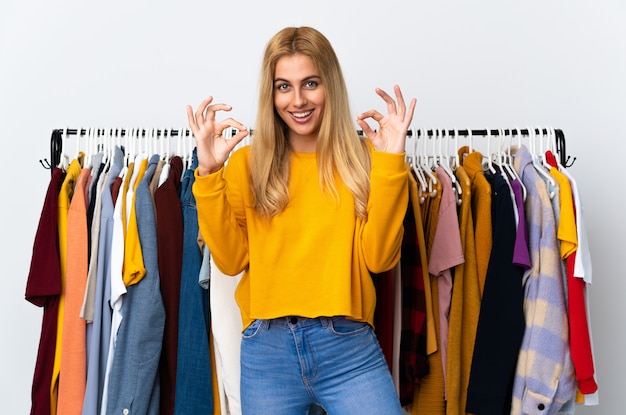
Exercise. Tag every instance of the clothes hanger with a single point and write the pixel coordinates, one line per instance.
(188, 153)
(509, 164)
(489, 155)
(163, 150)
(128, 145)
(455, 155)
(426, 168)
(499, 157)
(419, 175)
(63, 158)
(454, 164)
(553, 147)
(537, 163)
(444, 162)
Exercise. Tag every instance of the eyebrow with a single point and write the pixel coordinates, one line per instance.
(308, 78)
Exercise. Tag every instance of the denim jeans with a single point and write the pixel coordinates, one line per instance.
(288, 363)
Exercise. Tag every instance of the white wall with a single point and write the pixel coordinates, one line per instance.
(470, 64)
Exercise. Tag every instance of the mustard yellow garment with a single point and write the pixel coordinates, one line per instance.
(429, 394)
(134, 269)
(315, 257)
(464, 308)
(481, 211)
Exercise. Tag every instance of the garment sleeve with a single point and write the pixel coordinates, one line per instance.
(221, 218)
(381, 238)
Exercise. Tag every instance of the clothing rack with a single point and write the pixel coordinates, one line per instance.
(56, 139)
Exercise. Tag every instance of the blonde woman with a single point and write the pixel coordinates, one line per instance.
(307, 211)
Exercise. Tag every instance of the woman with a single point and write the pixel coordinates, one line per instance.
(308, 210)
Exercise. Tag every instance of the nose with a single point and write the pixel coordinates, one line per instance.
(299, 98)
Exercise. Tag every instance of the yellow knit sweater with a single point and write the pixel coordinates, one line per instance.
(314, 258)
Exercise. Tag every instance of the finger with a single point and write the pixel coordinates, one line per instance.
(400, 100)
(367, 130)
(231, 122)
(211, 110)
(236, 139)
(203, 106)
(191, 119)
(410, 112)
(391, 104)
(375, 115)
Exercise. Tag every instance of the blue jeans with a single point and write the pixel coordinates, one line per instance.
(288, 363)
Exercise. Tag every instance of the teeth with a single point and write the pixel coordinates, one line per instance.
(301, 114)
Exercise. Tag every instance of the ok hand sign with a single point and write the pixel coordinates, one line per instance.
(212, 148)
(391, 135)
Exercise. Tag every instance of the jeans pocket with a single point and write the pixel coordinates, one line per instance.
(253, 329)
(341, 326)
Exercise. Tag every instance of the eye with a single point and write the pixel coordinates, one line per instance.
(311, 84)
(282, 87)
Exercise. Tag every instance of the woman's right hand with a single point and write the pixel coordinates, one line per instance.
(212, 148)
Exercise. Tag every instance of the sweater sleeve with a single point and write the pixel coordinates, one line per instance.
(221, 218)
(388, 201)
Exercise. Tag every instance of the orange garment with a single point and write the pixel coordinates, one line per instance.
(65, 195)
(465, 307)
(73, 371)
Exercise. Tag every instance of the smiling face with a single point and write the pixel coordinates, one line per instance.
(299, 100)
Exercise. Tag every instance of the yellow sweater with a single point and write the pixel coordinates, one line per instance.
(313, 259)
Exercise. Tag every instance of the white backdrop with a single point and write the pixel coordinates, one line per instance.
(481, 64)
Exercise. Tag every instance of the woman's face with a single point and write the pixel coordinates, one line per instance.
(299, 99)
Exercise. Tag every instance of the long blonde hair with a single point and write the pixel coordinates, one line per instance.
(339, 148)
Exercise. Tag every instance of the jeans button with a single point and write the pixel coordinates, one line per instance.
(293, 320)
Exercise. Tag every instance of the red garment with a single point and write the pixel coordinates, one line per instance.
(413, 357)
(580, 341)
(169, 217)
(115, 188)
(383, 314)
(43, 289)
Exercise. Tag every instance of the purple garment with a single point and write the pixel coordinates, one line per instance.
(521, 254)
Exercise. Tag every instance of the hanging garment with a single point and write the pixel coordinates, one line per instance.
(99, 328)
(481, 208)
(134, 380)
(580, 342)
(521, 255)
(413, 356)
(543, 380)
(169, 218)
(226, 329)
(194, 388)
(116, 287)
(73, 369)
(43, 289)
(464, 307)
(131, 266)
(501, 320)
(429, 396)
(384, 313)
(446, 253)
(93, 232)
(65, 196)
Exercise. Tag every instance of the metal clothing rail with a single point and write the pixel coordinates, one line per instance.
(56, 140)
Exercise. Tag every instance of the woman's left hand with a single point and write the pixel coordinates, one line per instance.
(392, 133)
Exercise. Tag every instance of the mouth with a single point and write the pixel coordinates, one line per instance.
(301, 117)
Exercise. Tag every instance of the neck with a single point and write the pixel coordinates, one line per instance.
(303, 144)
